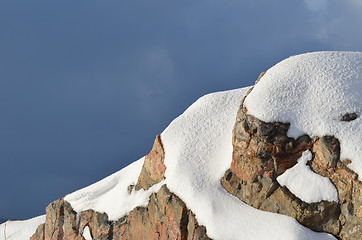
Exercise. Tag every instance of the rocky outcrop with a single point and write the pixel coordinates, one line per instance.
(61, 223)
(327, 163)
(165, 217)
(263, 151)
(153, 169)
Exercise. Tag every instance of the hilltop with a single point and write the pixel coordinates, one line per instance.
(278, 160)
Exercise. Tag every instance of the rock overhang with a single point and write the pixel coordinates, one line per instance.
(319, 94)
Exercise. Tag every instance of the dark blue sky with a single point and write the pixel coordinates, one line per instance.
(85, 85)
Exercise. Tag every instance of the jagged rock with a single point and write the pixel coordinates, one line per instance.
(153, 169)
(98, 224)
(60, 223)
(165, 217)
(326, 162)
(263, 151)
(39, 233)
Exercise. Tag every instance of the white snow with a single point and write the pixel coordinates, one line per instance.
(110, 195)
(312, 91)
(306, 184)
(86, 234)
(17, 230)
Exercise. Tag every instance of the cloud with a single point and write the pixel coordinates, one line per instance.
(155, 76)
(338, 25)
(155, 64)
(316, 5)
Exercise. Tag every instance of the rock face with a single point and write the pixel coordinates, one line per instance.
(327, 163)
(165, 217)
(153, 169)
(263, 151)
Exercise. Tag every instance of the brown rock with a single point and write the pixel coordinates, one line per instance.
(263, 151)
(98, 224)
(153, 169)
(60, 223)
(259, 77)
(349, 117)
(326, 162)
(165, 217)
(39, 233)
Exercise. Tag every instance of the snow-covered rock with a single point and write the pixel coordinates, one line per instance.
(313, 92)
(298, 128)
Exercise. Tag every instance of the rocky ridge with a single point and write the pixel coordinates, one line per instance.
(261, 152)
(165, 217)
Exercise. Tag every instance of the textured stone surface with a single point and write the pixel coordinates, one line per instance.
(326, 162)
(60, 223)
(39, 233)
(263, 151)
(165, 217)
(153, 169)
